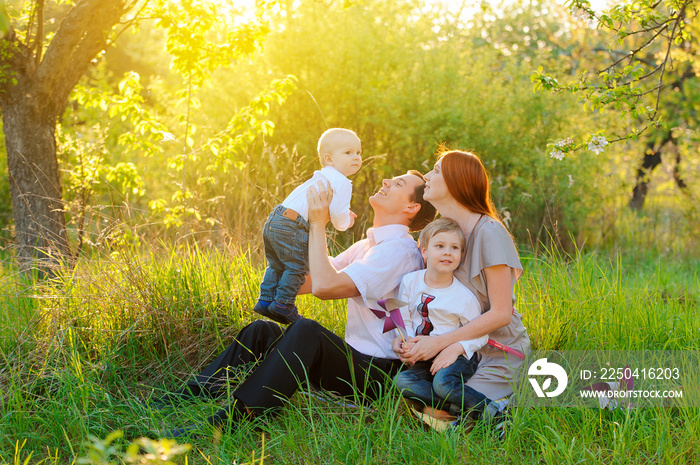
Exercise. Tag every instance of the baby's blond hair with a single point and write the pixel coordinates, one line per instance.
(325, 141)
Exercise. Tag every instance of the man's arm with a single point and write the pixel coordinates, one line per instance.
(326, 282)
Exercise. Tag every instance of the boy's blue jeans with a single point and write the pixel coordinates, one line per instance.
(287, 252)
(447, 390)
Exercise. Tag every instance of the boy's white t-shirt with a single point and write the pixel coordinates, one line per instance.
(340, 205)
(448, 309)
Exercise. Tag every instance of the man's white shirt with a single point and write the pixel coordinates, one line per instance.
(376, 265)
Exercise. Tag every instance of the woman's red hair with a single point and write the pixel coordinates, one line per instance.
(468, 181)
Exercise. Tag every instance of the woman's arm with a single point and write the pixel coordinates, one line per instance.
(500, 289)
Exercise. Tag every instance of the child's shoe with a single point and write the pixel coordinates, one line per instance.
(282, 313)
(500, 416)
(261, 307)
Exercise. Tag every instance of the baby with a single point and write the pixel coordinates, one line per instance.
(286, 231)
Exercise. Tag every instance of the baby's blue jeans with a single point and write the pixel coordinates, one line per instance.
(287, 252)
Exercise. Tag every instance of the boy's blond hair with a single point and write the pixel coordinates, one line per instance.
(438, 226)
(325, 140)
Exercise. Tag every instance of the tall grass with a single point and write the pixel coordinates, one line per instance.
(593, 302)
(81, 354)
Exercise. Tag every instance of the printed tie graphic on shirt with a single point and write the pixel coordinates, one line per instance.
(427, 326)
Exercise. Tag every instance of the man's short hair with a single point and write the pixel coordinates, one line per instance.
(427, 212)
(439, 226)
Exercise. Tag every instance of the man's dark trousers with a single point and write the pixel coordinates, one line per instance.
(306, 353)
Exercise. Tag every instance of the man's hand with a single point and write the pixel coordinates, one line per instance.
(319, 198)
(447, 357)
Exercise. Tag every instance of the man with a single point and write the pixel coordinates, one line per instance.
(370, 269)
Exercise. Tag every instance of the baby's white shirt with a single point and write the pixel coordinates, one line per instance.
(340, 205)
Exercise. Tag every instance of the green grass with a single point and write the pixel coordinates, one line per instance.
(80, 354)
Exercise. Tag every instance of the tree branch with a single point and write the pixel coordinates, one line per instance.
(681, 14)
(137, 17)
(39, 41)
(635, 52)
(30, 23)
(81, 35)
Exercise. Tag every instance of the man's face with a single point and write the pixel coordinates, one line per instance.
(396, 194)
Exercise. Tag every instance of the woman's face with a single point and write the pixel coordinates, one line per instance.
(435, 186)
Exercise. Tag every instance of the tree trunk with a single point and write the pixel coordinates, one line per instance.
(680, 182)
(652, 159)
(33, 92)
(35, 186)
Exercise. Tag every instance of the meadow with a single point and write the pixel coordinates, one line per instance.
(83, 353)
(172, 149)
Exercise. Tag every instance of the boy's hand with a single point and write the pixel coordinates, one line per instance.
(423, 348)
(446, 357)
(405, 347)
(352, 218)
(396, 346)
(400, 348)
(319, 198)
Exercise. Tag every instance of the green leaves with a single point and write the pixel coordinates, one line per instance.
(222, 151)
(198, 42)
(644, 33)
(544, 81)
(245, 124)
(5, 24)
(142, 451)
(126, 177)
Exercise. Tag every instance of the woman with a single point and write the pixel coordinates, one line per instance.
(458, 187)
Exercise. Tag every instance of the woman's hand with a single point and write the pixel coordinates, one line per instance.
(319, 198)
(447, 357)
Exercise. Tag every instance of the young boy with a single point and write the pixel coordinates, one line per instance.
(437, 304)
(286, 231)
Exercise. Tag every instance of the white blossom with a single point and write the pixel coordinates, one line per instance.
(166, 136)
(571, 180)
(556, 153)
(579, 14)
(584, 14)
(597, 144)
(560, 148)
